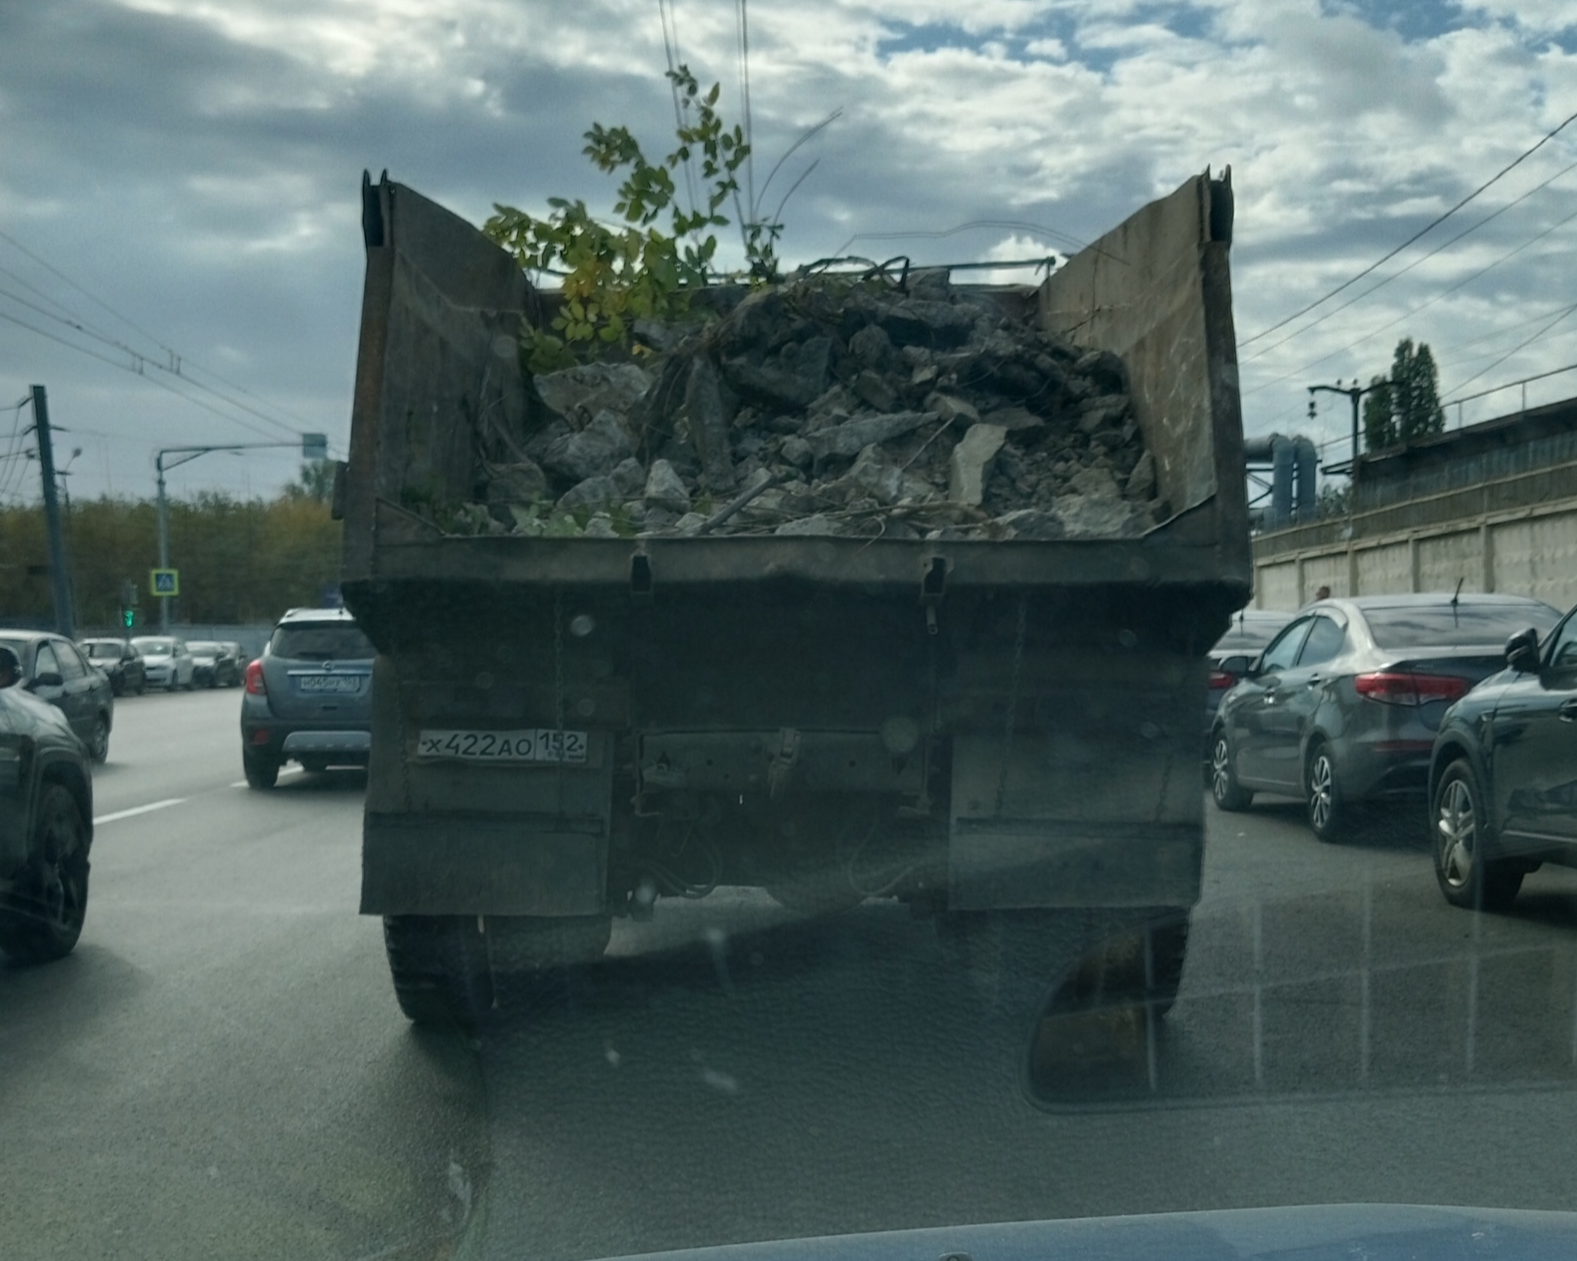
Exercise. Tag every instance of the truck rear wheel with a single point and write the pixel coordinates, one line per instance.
(439, 967)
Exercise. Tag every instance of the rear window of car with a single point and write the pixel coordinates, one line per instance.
(334, 642)
(107, 650)
(203, 648)
(1442, 626)
(1250, 634)
(155, 647)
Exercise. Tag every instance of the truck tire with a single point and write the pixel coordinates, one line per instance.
(42, 917)
(439, 967)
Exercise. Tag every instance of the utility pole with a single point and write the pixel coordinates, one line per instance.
(1355, 392)
(60, 582)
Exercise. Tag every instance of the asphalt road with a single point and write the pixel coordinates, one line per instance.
(220, 1068)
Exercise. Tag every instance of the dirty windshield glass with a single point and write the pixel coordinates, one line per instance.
(748, 542)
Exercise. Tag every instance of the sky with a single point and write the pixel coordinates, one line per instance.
(181, 255)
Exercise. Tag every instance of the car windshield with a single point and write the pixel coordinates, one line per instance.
(758, 543)
(320, 642)
(1446, 625)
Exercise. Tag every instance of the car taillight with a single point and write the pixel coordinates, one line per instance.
(254, 679)
(1401, 688)
(1220, 680)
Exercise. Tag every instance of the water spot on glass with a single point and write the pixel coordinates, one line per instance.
(1127, 638)
(581, 625)
(720, 1081)
(484, 681)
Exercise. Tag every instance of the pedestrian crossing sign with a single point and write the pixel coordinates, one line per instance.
(164, 582)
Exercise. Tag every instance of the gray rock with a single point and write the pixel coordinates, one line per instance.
(629, 477)
(1014, 419)
(666, 489)
(876, 476)
(1093, 482)
(600, 527)
(797, 452)
(918, 322)
(971, 458)
(581, 392)
(1033, 523)
(658, 520)
(539, 443)
(1100, 517)
(812, 526)
(595, 493)
(1105, 368)
(792, 379)
(593, 452)
(871, 387)
(521, 483)
(951, 407)
(690, 523)
(852, 436)
(1103, 411)
(872, 347)
(709, 415)
(1142, 481)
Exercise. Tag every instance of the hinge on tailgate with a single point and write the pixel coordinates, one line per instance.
(933, 587)
(641, 576)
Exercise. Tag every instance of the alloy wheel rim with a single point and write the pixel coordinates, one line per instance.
(1219, 769)
(1320, 791)
(1455, 834)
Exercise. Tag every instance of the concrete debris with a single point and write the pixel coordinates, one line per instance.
(831, 407)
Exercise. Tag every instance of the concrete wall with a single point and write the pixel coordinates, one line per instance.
(1523, 551)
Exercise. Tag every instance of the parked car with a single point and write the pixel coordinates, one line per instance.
(55, 671)
(1342, 706)
(46, 823)
(168, 661)
(213, 664)
(239, 653)
(120, 662)
(1235, 652)
(1503, 773)
(308, 697)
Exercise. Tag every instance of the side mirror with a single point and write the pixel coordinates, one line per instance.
(1522, 651)
(48, 679)
(1238, 665)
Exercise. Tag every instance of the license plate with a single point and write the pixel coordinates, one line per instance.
(535, 744)
(328, 683)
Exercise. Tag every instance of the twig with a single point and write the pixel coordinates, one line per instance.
(717, 518)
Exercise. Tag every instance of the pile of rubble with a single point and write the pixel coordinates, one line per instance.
(827, 407)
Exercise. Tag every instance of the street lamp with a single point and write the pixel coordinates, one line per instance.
(314, 446)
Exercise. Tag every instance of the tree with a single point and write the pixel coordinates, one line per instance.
(1379, 421)
(316, 483)
(1406, 405)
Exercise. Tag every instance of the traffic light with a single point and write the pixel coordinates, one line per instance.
(128, 618)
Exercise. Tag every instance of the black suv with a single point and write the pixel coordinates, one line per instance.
(46, 826)
(308, 697)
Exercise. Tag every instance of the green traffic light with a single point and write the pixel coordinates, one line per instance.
(129, 617)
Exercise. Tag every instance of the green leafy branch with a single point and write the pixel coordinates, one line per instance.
(615, 275)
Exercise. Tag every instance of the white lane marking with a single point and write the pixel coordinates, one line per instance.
(135, 810)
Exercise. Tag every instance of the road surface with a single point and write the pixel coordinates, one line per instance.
(220, 1068)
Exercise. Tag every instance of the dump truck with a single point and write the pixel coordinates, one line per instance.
(571, 728)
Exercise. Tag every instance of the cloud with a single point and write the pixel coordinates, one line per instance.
(195, 163)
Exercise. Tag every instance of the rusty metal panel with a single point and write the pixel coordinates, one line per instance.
(1155, 290)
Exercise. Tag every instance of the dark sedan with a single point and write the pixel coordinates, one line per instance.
(1342, 707)
(1503, 775)
(54, 670)
(121, 663)
(214, 664)
(46, 827)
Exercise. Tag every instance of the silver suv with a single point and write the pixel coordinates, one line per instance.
(308, 697)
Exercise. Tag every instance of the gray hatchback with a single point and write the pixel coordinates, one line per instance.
(1342, 706)
(308, 697)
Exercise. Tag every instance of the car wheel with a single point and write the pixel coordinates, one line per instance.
(262, 773)
(1224, 787)
(98, 740)
(142, 687)
(1330, 817)
(42, 918)
(1466, 877)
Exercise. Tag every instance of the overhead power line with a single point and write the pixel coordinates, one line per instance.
(1427, 228)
